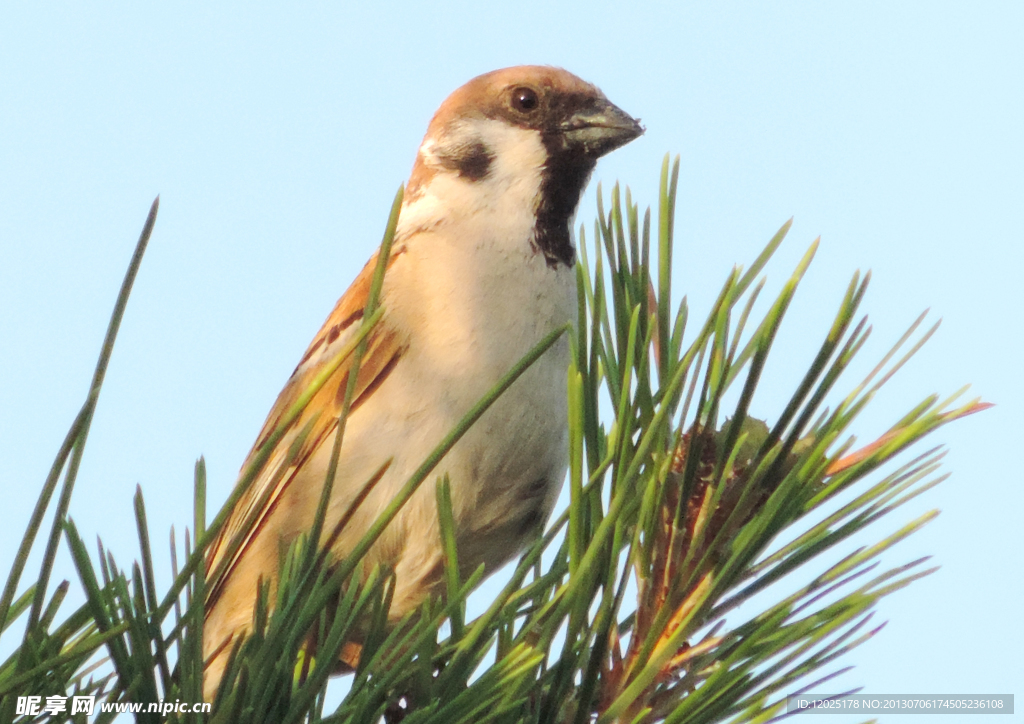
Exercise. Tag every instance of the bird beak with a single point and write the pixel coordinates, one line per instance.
(600, 129)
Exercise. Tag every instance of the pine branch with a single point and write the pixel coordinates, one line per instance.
(661, 594)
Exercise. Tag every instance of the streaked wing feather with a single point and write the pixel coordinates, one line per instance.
(317, 421)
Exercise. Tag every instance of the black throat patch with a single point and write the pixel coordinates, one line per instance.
(564, 177)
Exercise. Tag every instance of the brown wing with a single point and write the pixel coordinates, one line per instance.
(318, 420)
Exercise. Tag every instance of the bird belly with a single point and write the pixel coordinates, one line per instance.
(506, 470)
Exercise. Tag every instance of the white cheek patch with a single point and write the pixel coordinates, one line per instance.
(507, 189)
(519, 154)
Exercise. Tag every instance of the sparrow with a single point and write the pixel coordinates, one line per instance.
(480, 271)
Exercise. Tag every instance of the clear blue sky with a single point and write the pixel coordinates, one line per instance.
(277, 138)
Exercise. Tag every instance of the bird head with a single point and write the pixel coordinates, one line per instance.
(521, 140)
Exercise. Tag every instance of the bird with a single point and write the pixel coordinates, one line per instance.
(481, 269)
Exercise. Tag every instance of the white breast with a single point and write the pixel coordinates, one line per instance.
(472, 296)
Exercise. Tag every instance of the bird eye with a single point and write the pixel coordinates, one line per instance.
(525, 99)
